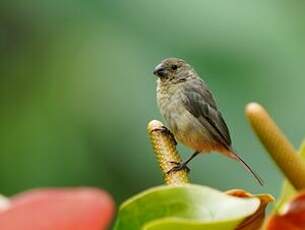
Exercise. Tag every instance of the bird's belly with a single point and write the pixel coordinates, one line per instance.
(185, 127)
(190, 132)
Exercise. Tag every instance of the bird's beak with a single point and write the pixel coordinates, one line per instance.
(159, 71)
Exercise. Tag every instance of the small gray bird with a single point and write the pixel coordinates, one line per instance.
(190, 111)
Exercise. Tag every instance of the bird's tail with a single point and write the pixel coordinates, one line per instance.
(248, 168)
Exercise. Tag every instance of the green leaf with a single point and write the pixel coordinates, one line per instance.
(287, 189)
(184, 207)
(178, 224)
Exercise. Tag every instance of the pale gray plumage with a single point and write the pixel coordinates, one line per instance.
(191, 112)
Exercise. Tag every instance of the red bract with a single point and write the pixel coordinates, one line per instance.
(256, 220)
(293, 216)
(60, 209)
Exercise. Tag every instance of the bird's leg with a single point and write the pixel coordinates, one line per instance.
(183, 165)
(166, 131)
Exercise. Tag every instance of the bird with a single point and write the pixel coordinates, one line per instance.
(191, 113)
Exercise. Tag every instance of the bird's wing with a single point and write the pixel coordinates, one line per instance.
(199, 101)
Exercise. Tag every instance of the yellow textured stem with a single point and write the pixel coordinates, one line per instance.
(165, 150)
(278, 146)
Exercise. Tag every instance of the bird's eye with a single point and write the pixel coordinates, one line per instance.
(174, 67)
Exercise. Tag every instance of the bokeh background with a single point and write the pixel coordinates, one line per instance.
(77, 90)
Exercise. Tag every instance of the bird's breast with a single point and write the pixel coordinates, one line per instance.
(170, 104)
(185, 127)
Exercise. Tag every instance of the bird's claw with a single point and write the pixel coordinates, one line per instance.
(179, 166)
(165, 130)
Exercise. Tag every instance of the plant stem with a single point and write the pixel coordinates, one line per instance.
(278, 146)
(165, 150)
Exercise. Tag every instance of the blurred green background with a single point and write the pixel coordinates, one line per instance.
(77, 88)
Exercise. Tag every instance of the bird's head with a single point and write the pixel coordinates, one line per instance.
(173, 70)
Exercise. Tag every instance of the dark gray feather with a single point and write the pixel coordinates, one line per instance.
(199, 101)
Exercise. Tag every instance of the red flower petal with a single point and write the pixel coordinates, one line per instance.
(60, 209)
(292, 218)
(5, 203)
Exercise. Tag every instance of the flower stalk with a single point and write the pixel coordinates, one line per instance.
(164, 147)
(277, 144)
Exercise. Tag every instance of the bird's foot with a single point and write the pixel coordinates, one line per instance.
(165, 130)
(178, 167)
